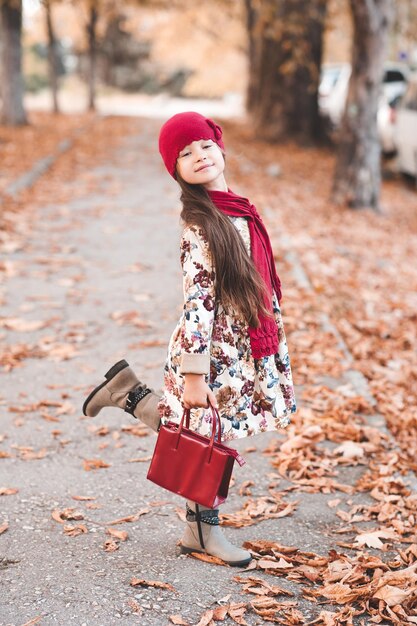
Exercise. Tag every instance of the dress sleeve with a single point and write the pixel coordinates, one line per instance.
(199, 302)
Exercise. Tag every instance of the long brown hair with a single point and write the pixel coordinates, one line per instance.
(238, 283)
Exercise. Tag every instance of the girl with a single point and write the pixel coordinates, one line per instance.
(229, 348)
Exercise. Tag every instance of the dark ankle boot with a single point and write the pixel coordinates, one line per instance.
(203, 534)
(124, 390)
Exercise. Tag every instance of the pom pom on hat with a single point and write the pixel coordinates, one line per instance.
(181, 130)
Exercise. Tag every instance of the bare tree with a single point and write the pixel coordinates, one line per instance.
(13, 112)
(91, 28)
(357, 177)
(52, 55)
(285, 52)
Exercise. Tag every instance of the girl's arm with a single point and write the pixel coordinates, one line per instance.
(199, 303)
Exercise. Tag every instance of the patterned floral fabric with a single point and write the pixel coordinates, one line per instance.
(254, 395)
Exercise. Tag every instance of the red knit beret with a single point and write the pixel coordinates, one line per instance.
(181, 130)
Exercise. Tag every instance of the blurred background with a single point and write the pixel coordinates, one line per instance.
(291, 66)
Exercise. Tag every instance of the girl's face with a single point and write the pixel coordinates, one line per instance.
(202, 163)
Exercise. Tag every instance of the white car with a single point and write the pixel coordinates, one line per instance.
(406, 130)
(334, 84)
(386, 120)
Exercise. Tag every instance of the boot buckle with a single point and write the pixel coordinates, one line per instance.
(134, 397)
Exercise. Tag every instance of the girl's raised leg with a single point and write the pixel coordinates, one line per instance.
(121, 388)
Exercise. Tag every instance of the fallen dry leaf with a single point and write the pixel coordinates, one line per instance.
(75, 530)
(82, 498)
(272, 564)
(66, 514)
(373, 539)
(111, 545)
(393, 595)
(4, 491)
(258, 586)
(119, 534)
(141, 582)
(92, 464)
(135, 606)
(207, 558)
(33, 621)
(20, 325)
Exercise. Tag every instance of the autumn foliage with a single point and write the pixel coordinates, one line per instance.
(349, 285)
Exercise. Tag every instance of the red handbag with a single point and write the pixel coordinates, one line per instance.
(196, 467)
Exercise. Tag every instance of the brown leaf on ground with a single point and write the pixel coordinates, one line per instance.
(92, 464)
(270, 564)
(65, 408)
(129, 318)
(93, 505)
(207, 558)
(83, 498)
(327, 618)
(141, 582)
(236, 611)
(4, 527)
(258, 586)
(111, 545)
(279, 612)
(206, 619)
(343, 594)
(254, 511)
(372, 539)
(151, 343)
(74, 531)
(244, 489)
(19, 325)
(135, 606)
(49, 418)
(118, 534)
(269, 547)
(138, 430)
(66, 514)
(33, 621)
(27, 453)
(220, 613)
(5, 491)
(100, 431)
(393, 595)
(36, 406)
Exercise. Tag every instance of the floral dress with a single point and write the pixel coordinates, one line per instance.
(254, 395)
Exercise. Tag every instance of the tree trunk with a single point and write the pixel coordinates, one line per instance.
(92, 54)
(13, 112)
(357, 178)
(285, 52)
(52, 56)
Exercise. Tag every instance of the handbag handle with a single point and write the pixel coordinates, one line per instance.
(215, 427)
(215, 421)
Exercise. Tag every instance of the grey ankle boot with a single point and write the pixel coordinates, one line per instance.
(203, 534)
(123, 389)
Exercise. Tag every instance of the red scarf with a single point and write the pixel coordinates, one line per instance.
(264, 339)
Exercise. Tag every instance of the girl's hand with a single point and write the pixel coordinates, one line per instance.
(197, 393)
